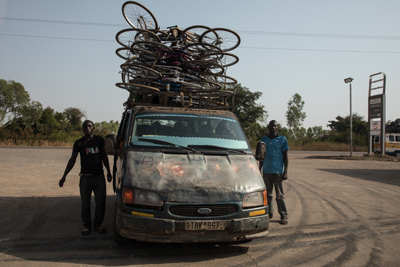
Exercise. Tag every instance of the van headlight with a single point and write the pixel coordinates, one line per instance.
(255, 199)
(141, 197)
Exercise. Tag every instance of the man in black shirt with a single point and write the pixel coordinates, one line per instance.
(91, 150)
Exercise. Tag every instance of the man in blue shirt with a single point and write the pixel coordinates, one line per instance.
(275, 168)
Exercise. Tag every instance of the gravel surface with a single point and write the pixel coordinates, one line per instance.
(341, 213)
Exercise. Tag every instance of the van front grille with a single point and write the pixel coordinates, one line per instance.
(193, 210)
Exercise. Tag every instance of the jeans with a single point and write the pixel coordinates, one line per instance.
(270, 181)
(97, 184)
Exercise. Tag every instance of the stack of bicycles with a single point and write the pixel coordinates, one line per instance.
(175, 67)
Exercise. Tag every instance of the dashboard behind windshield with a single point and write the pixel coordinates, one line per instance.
(186, 130)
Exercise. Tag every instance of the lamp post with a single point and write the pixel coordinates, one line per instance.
(349, 80)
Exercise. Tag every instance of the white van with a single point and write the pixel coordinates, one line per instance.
(392, 144)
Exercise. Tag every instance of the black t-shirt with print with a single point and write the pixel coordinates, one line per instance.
(91, 154)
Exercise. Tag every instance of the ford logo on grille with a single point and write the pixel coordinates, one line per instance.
(204, 210)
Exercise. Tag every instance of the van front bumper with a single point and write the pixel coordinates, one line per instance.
(168, 230)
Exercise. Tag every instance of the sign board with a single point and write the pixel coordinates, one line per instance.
(376, 106)
(375, 127)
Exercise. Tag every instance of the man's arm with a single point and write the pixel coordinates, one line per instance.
(285, 164)
(107, 165)
(69, 167)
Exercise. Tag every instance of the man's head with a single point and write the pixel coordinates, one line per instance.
(273, 128)
(88, 127)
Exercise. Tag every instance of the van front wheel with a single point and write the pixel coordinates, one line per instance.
(118, 238)
(396, 154)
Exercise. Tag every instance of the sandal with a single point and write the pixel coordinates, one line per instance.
(86, 231)
(100, 230)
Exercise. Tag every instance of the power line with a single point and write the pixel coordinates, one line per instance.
(66, 22)
(58, 38)
(321, 50)
(293, 34)
(240, 47)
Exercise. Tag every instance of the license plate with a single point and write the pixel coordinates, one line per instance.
(204, 225)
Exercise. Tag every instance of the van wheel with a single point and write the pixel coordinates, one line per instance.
(118, 238)
(396, 154)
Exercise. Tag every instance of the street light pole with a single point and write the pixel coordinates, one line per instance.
(349, 80)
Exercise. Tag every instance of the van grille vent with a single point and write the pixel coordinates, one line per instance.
(192, 210)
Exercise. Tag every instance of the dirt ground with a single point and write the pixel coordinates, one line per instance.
(341, 213)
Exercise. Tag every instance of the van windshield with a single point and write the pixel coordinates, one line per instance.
(188, 130)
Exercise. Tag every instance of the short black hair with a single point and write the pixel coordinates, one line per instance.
(86, 121)
(272, 121)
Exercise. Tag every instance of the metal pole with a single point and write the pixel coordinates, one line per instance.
(351, 127)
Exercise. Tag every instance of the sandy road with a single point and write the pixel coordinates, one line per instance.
(341, 213)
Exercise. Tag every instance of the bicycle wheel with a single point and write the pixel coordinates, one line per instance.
(140, 71)
(224, 59)
(137, 54)
(193, 33)
(156, 48)
(139, 88)
(138, 16)
(205, 84)
(202, 66)
(128, 37)
(223, 79)
(199, 49)
(223, 38)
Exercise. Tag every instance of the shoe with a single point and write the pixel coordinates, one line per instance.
(284, 221)
(271, 215)
(86, 231)
(100, 230)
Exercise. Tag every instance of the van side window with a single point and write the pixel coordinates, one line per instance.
(391, 138)
(397, 138)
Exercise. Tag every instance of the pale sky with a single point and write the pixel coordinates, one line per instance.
(64, 58)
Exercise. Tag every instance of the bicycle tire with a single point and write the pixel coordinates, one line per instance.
(202, 66)
(224, 59)
(136, 53)
(137, 87)
(140, 71)
(193, 33)
(138, 16)
(224, 79)
(127, 37)
(155, 48)
(225, 39)
(201, 49)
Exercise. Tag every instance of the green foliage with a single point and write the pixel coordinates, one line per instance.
(13, 98)
(72, 120)
(340, 130)
(252, 116)
(103, 128)
(295, 116)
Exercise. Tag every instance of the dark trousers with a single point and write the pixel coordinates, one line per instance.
(270, 181)
(97, 184)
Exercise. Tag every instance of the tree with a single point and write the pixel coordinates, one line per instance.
(340, 130)
(103, 128)
(28, 118)
(48, 122)
(295, 115)
(251, 115)
(12, 98)
(73, 118)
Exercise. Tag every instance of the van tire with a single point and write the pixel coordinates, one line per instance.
(118, 238)
(396, 154)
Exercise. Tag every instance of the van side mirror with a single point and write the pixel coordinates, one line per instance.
(109, 144)
(261, 149)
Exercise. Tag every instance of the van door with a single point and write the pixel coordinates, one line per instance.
(121, 144)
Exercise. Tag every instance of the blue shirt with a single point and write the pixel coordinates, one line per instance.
(273, 161)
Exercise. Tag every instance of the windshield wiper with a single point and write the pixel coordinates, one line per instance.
(218, 147)
(160, 142)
